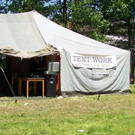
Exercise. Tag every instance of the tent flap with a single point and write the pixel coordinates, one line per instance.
(49, 49)
(83, 79)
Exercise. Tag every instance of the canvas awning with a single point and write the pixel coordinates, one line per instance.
(48, 50)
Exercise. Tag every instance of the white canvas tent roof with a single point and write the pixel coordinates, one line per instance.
(26, 34)
(70, 41)
(20, 36)
(31, 34)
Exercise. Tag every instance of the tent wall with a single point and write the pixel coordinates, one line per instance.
(83, 80)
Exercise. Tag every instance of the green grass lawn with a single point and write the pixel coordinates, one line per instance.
(110, 115)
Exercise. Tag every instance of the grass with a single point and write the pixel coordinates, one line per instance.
(110, 115)
(132, 88)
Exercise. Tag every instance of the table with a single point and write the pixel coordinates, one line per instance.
(27, 80)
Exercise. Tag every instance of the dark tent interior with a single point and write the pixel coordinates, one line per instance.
(19, 67)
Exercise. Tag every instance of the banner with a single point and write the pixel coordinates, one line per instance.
(93, 61)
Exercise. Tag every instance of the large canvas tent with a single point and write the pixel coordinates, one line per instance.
(30, 34)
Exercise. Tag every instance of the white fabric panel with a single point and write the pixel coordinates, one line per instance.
(83, 80)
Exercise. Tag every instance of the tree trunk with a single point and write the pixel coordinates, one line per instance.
(65, 12)
(130, 34)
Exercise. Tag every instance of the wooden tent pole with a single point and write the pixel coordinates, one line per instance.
(8, 82)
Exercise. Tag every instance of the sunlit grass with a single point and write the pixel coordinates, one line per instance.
(132, 88)
(110, 115)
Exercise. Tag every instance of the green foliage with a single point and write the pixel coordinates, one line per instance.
(97, 36)
(4, 6)
(18, 6)
(118, 10)
(132, 88)
(86, 18)
(121, 15)
(59, 11)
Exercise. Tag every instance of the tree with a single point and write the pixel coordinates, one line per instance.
(121, 15)
(86, 18)
(59, 11)
(4, 6)
(18, 6)
(56, 10)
